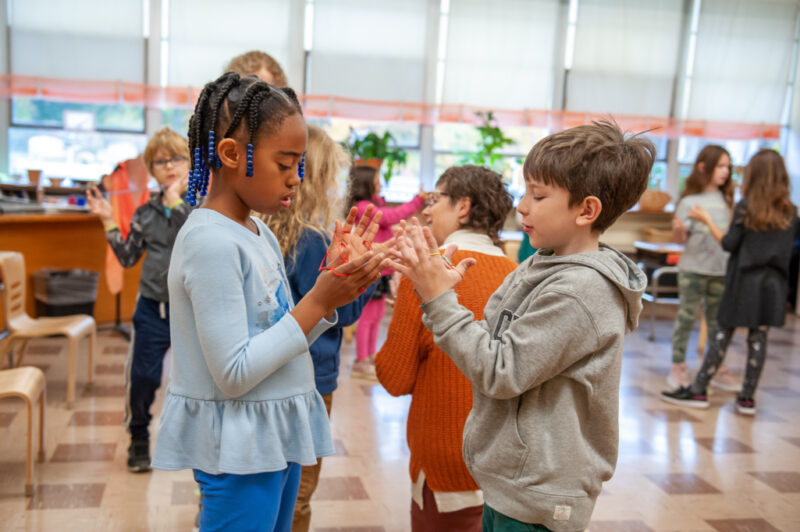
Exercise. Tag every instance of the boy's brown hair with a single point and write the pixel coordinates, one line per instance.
(168, 140)
(251, 62)
(594, 160)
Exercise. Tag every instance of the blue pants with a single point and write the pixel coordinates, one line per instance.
(143, 372)
(262, 502)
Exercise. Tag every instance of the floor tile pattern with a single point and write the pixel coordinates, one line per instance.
(678, 469)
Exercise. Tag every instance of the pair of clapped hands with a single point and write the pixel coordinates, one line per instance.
(413, 251)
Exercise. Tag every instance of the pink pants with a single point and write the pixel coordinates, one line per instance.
(367, 328)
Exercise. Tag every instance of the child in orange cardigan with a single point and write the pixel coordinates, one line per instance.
(468, 209)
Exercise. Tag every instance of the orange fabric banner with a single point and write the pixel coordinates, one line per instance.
(322, 106)
(127, 190)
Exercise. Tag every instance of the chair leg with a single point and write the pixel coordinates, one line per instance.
(42, 405)
(73, 350)
(24, 346)
(29, 456)
(92, 350)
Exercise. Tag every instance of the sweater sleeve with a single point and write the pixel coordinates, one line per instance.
(397, 362)
(535, 347)
(213, 278)
(128, 251)
(392, 215)
(733, 238)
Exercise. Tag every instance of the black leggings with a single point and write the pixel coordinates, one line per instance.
(717, 347)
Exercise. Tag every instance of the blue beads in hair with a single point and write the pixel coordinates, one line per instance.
(301, 168)
(195, 177)
(249, 160)
(211, 156)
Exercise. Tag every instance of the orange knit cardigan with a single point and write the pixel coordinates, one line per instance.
(441, 396)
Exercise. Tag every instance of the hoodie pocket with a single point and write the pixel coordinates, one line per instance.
(492, 442)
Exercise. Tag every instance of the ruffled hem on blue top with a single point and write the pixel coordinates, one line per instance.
(242, 437)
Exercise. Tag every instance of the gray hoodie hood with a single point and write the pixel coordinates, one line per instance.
(613, 265)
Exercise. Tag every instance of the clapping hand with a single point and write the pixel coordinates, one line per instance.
(351, 242)
(417, 256)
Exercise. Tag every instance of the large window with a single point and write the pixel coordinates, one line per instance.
(454, 142)
(405, 182)
(74, 155)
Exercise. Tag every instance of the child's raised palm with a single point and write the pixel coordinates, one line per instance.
(98, 205)
(418, 257)
(351, 242)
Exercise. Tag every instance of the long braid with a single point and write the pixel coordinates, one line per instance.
(195, 133)
(244, 104)
(232, 80)
(253, 111)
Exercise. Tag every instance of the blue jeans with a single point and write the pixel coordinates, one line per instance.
(143, 374)
(261, 502)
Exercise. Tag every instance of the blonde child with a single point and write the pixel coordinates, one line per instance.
(260, 64)
(302, 231)
(241, 409)
(153, 229)
(760, 243)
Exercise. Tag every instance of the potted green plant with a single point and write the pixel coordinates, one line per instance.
(492, 141)
(373, 150)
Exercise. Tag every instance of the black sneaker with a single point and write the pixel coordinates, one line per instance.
(139, 456)
(746, 406)
(685, 397)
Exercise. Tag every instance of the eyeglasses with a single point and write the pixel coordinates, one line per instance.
(175, 159)
(434, 197)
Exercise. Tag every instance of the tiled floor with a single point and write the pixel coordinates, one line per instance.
(678, 470)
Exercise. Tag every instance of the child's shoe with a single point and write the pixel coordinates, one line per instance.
(685, 397)
(746, 406)
(724, 380)
(139, 456)
(364, 369)
(679, 376)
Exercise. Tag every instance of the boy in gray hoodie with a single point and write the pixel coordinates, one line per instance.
(545, 362)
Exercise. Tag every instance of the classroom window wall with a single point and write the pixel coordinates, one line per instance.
(709, 60)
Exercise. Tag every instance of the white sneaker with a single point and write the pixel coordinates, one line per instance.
(724, 380)
(678, 376)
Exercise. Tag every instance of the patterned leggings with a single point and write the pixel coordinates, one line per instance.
(717, 347)
(692, 289)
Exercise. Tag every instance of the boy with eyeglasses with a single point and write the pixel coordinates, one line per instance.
(153, 229)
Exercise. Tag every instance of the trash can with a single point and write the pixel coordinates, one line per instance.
(64, 292)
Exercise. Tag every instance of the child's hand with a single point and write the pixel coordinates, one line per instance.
(418, 257)
(349, 242)
(99, 206)
(346, 282)
(700, 214)
(174, 192)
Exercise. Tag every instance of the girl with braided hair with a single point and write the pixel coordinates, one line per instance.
(241, 409)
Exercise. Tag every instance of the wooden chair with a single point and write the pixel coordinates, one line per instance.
(27, 383)
(22, 327)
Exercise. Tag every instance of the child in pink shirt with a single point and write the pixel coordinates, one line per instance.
(363, 190)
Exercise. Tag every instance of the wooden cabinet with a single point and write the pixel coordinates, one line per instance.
(67, 241)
